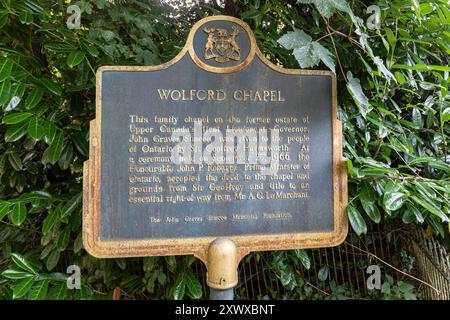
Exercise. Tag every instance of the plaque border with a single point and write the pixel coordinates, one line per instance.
(199, 246)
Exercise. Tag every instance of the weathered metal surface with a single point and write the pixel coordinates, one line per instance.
(125, 218)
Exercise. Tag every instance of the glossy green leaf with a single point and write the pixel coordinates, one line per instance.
(193, 287)
(39, 290)
(19, 213)
(22, 287)
(5, 92)
(66, 157)
(6, 69)
(15, 161)
(5, 208)
(417, 117)
(59, 47)
(180, 287)
(51, 132)
(80, 143)
(34, 98)
(75, 58)
(50, 221)
(22, 263)
(303, 257)
(71, 205)
(430, 207)
(63, 239)
(91, 50)
(355, 89)
(52, 260)
(16, 131)
(323, 273)
(26, 17)
(53, 87)
(16, 274)
(55, 148)
(59, 292)
(372, 210)
(356, 221)
(393, 200)
(16, 117)
(36, 129)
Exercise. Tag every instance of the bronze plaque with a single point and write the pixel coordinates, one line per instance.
(218, 142)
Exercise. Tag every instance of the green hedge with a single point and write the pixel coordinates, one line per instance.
(393, 102)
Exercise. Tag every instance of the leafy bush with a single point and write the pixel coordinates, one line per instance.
(393, 101)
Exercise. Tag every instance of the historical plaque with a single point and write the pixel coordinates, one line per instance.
(218, 142)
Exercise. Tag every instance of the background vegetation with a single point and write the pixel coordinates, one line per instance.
(393, 101)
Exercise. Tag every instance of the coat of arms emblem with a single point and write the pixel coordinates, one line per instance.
(221, 45)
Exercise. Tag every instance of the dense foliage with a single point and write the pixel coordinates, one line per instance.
(393, 100)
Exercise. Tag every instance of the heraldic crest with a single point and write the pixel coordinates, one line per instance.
(221, 46)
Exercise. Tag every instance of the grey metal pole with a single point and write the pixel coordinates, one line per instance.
(215, 294)
(222, 265)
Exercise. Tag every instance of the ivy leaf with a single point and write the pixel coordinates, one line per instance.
(19, 213)
(354, 87)
(75, 58)
(356, 220)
